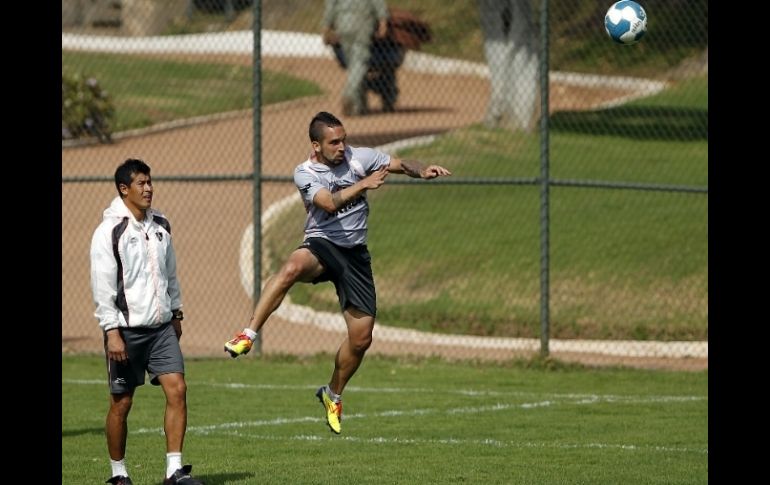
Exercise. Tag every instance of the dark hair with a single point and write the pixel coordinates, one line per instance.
(319, 122)
(125, 172)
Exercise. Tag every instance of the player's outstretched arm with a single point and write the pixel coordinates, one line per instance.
(416, 169)
(331, 202)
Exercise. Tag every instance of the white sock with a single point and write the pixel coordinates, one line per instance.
(119, 467)
(250, 333)
(335, 397)
(173, 462)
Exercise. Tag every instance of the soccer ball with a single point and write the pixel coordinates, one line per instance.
(626, 22)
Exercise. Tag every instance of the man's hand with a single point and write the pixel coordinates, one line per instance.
(382, 29)
(433, 171)
(331, 202)
(375, 179)
(415, 169)
(116, 347)
(177, 324)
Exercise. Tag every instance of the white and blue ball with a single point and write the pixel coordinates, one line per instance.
(626, 22)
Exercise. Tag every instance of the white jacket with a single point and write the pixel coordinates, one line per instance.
(133, 269)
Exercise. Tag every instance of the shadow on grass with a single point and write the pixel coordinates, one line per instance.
(77, 432)
(222, 478)
(636, 122)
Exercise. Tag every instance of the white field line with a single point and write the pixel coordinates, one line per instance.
(303, 315)
(233, 427)
(475, 410)
(295, 44)
(495, 443)
(422, 390)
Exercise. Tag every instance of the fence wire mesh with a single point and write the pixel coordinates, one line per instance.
(458, 261)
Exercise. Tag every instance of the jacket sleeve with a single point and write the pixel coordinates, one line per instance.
(173, 283)
(104, 279)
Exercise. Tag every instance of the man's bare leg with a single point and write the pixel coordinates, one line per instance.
(351, 352)
(116, 426)
(302, 266)
(175, 418)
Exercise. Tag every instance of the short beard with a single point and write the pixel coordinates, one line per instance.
(331, 161)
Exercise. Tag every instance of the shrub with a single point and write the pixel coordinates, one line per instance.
(86, 109)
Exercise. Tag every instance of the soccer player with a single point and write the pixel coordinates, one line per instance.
(333, 184)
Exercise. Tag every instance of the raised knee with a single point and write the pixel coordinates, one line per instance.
(289, 274)
(362, 343)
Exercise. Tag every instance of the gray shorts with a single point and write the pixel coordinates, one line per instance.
(350, 269)
(152, 350)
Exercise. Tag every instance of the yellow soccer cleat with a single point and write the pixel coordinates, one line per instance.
(240, 345)
(333, 410)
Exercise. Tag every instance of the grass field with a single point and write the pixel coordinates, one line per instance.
(406, 421)
(147, 90)
(625, 264)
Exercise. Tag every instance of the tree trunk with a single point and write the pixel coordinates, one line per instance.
(510, 46)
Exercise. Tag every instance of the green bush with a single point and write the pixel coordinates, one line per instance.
(86, 109)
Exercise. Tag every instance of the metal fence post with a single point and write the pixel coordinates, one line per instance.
(257, 137)
(544, 222)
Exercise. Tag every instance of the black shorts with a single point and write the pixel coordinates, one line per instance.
(152, 350)
(350, 269)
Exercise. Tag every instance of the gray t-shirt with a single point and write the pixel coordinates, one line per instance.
(347, 226)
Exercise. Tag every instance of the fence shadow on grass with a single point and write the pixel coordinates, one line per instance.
(636, 122)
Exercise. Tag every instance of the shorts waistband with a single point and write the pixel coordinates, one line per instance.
(144, 329)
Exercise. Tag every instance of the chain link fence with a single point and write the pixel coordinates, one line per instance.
(583, 234)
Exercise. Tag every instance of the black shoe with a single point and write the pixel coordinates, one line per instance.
(182, 477)
(120, 480)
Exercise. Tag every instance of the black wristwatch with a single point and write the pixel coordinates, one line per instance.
(177, 315)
